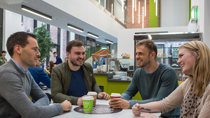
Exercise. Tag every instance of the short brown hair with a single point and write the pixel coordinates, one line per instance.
(3, 51)
(76, 43)
(20, 38)
(149, 44)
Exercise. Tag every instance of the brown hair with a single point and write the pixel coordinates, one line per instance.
(51, 66)
(54, 52)
(3, 51)
(18, 38)
(76, 43)
(201, 67)
(149, 44)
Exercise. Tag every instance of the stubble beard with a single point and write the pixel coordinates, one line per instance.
(74, 63)
(145, 64)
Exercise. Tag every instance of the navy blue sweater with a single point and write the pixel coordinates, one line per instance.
(40, 76)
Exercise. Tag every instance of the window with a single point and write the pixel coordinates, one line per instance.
(27, 24)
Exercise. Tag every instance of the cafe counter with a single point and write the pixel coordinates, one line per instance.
(110, 85)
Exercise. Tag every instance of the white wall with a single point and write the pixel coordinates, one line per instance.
(126, 38)
(203, 24)
(174, 13)
(11, 24)
(206, 35)
(86, 11)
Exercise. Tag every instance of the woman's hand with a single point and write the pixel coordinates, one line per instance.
(136, 109)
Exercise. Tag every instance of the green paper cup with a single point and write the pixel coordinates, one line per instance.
(87, 104)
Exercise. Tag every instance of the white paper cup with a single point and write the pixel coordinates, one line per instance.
(94, 94)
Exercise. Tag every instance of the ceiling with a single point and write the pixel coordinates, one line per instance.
(59, 17)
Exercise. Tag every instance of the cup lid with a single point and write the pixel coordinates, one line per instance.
(115, 94)
(91, 93)
(87, 98)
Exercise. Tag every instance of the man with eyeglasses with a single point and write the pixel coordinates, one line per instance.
(17, 84)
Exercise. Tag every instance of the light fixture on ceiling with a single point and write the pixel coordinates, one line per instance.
(108, 41)
(75, 28)
(35, 12)
(93, 35)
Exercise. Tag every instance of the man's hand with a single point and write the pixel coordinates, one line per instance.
(103, 95)
(66, 105)
(119, 103)
(136, 109)
(79, 101)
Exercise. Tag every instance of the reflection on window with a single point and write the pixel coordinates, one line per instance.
(64, 38)
(39, 24)
(116, 8)
(27, 24)
(52, 58)
(54, 34)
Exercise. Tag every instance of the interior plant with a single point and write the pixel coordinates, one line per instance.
(44, 41)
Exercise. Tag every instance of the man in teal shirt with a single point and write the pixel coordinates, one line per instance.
(2, 57)
(153, 80)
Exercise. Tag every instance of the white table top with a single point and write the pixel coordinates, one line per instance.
(125, 113)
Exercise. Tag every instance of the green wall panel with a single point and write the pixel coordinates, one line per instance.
(189, 9)
(120, 87)
(153, 19)
(114, 87)
(102, 81)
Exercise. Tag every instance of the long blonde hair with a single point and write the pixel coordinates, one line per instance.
(201, 67)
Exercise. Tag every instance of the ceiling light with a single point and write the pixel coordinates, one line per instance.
(35, 12)
(75, 28)
(93, 35)
(108, 41)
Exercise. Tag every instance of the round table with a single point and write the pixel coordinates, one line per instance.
(125, 113)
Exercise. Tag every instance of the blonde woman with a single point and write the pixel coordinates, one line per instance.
(194, 94)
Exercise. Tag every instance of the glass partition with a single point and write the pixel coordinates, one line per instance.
(118, 8)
